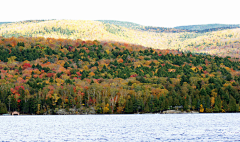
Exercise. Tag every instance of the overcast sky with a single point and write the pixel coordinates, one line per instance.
(161, 13)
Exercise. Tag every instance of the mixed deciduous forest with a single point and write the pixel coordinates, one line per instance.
(215, 39)
(50, 76)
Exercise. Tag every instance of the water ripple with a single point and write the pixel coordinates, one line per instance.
(176, 127)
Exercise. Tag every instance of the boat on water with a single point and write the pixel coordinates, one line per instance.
(6, 114)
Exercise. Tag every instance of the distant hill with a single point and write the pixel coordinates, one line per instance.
(207, 26)
(178, 29)
(36, 21)
(4, 23)
(122, 23)
(141, 27)
(162, 29)
(26, 21)
(190, 28)
(218, 40)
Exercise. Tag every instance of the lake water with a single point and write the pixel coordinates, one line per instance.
(147, 127)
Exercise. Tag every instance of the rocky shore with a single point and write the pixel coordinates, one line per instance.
(177, 112)
(63, 112)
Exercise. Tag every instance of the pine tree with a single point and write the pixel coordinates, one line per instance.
(129, 106)
(216, 109)
(146, 108)
(51, 80)
(237, 107)
(3, 108)
(225, 106)
(203, 92)
(208, 102)
(217, 105)
(66, 65)
(232, 104)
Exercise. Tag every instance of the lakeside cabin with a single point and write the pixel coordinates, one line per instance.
(15, 113)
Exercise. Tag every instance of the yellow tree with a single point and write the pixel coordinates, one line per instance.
(11, 59)
(201, 108)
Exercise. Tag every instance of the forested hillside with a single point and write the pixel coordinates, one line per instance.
(214, 39)
(48, 76)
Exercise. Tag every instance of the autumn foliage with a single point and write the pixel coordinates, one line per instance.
(45, 75)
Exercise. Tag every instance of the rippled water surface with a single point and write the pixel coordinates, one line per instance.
(149, 127)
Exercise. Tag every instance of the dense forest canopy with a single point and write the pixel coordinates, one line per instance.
(47, 75)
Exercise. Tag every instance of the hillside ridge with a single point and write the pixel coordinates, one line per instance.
(215, 41)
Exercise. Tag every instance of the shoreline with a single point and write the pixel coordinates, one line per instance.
(164, 112)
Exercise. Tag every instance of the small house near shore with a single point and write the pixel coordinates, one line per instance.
(15, 113)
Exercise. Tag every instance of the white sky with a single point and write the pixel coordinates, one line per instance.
(161, 13)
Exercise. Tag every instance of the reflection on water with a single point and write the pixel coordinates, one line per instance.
(150, 127)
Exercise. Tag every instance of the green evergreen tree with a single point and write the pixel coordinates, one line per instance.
(225, 106)
(150, 104)
(135, 103)
(229, 77)
(33, 105)
(156, 104)
(129, 106)
(208, 90)
(232, 104)
(3, 108)
(51, 80)
(203, 102)
(216, 109)
(66, 65)
(146, 108)
(217, 105)
(203, 92)
(198, 104)
(208, 101)
(237, 107)
(221, 92)
(185, 105)
(166, 107)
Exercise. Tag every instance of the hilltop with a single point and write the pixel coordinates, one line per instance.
(214, 39)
